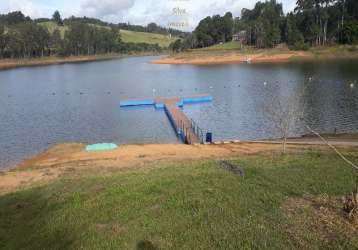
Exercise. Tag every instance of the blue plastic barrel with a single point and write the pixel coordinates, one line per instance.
(209, 137)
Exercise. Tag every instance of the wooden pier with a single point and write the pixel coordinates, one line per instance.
(185, 128)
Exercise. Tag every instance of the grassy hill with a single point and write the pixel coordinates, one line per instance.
(127, 36)
(143, 37)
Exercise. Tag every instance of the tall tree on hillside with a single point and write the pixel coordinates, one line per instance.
(42, 40)
(2, 40)
(56, 43)
(263, 23)
(203, 32)
(295, 38)
(14, 18)
(56, 17)
(228, 26)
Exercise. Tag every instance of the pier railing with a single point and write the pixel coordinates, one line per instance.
(197, 130)
(188, 132)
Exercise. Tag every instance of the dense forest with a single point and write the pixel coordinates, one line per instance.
(22, 37)
(312, 23)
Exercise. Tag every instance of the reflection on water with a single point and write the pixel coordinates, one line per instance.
(80, 102)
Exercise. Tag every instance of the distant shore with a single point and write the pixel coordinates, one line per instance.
(53, 60)
(221, 56)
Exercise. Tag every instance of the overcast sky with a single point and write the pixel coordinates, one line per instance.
(135, 11)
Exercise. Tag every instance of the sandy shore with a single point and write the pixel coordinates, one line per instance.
(231, 58)
(72, 159)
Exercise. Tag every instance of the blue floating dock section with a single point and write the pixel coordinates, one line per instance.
(197, 99)
(159, 102)
(144, 102)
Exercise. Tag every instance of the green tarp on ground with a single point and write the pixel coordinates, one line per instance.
(101, 147)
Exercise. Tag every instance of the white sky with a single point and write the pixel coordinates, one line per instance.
(135, 11)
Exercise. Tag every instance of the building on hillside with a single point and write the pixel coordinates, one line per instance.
(240, 37)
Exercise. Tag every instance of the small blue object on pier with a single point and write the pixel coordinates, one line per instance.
(101, 147)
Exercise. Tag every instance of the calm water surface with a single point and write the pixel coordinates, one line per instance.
(41, 106)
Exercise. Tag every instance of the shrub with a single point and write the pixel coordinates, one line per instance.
(299, 45)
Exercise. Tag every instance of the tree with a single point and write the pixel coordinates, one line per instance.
(295, 38)
(284, 112)
(14, 18)
(350, 32)
(263, 23)
(42, 39)
(215, 29)
(56, 43)
(152, 28)
(176, 46)
(228, 26)
(3, 39)
(203, 32)
(56, 17)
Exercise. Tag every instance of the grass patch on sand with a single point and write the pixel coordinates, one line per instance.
(196, 205)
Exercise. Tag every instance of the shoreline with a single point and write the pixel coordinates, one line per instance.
(6, 64)
(343, 139)
(222, 57)
(71, 158)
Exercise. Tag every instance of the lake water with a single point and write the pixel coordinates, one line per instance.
(41, 106)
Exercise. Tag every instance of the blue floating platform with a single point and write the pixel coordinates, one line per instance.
(197, 99)
(144, 102)
(159, 102)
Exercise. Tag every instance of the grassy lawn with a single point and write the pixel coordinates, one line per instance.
(143, 37)
(224, 46)
(196, 205)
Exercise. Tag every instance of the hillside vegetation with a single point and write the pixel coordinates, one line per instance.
(127, 36)
(52, 26)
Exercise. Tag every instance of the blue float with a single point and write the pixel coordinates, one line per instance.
(160, 105)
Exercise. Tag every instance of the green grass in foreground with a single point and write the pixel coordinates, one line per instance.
(194, 205)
